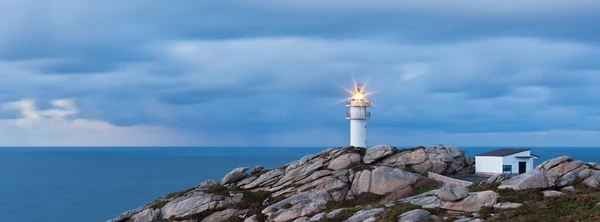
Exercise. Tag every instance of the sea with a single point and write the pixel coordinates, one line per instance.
(80, 184)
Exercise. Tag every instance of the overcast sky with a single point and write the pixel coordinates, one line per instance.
(266, 72)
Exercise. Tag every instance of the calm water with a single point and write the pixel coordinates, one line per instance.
(96, 184)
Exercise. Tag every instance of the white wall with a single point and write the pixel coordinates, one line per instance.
(514, 161)
(488, 164)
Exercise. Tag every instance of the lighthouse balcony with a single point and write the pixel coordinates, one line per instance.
(361, 103)
(366, 115)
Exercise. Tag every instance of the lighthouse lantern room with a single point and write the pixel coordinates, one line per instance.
(358, 116)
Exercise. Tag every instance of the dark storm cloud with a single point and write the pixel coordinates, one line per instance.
(267, 69)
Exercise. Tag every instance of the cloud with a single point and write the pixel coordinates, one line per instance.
(265, 73)
(60, 126)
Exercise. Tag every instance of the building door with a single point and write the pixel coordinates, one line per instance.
(522, 167)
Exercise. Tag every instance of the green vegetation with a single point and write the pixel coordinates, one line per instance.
(426, 185)
(580, 205)
(483, 187)
(409, 149)
(353, 149)
(362, 199)
(157, 204)
(343, 215)
(360, 166)
(218, 190)
(392, 212)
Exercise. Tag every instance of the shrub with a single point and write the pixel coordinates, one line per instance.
(157, 204)
(361, 199)
(397, 194)
(342, 216)
(425, 185)
(218, 189)
(391, 213)
(483, 187)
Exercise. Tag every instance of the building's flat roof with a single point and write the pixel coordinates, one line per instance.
(503, 152)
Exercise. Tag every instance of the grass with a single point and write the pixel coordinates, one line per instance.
(218, 189)
(577, 206)
(483, 187)
(391, 213)
(360, 166)
(342, 216)
(361, 199)
(353, 149)
(425, 185)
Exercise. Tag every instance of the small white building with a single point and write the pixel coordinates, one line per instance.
(514, 161)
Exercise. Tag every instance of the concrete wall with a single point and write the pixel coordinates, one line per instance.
(488, 164)
(514, 161)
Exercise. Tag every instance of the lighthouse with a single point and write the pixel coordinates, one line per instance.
(358, 116)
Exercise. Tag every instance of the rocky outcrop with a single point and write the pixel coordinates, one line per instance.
(417, 215)
(365, 215)
(534, 179)
(471, 203)
(235, 175)
(552, 193)
(452, 192)
(382, 179)
(507, 205)
(437, 159)
(301, 189)
(554, 173)
(378, 152)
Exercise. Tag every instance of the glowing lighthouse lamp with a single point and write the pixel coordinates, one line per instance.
(358, 117)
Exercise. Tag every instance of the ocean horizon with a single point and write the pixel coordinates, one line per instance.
(74, 184)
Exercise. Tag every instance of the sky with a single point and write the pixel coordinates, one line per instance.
(270, 73)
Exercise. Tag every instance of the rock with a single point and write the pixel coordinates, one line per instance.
(406, 158)
(473, 202)
(423, 167)
(565, 167)
(256, 169)
(303, 204)
(382, 180)
(376, 153)
(446, 158)
(593, 165)
(318, 217)
(507, 205)
(220, 215)
(266, 179)
(127, 214)
(146, 215)
(253, 218)
(593, 180)
(196, 203)
(301, 219)
(451, 192)
(364, 215)
(552, 193)
(246, 181)
(531, 180)
(235, 175)
(568, 189)
(568, 178)
(417, 215)
(334, 213)
(344, 161)
(549, 164)
(584, 173)
(208, 184)
(469, 160)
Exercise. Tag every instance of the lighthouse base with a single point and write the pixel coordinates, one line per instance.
(358, 133)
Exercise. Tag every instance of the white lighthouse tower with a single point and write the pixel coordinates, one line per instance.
(358, 116)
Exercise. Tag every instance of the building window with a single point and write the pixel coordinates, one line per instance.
(506, 168)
